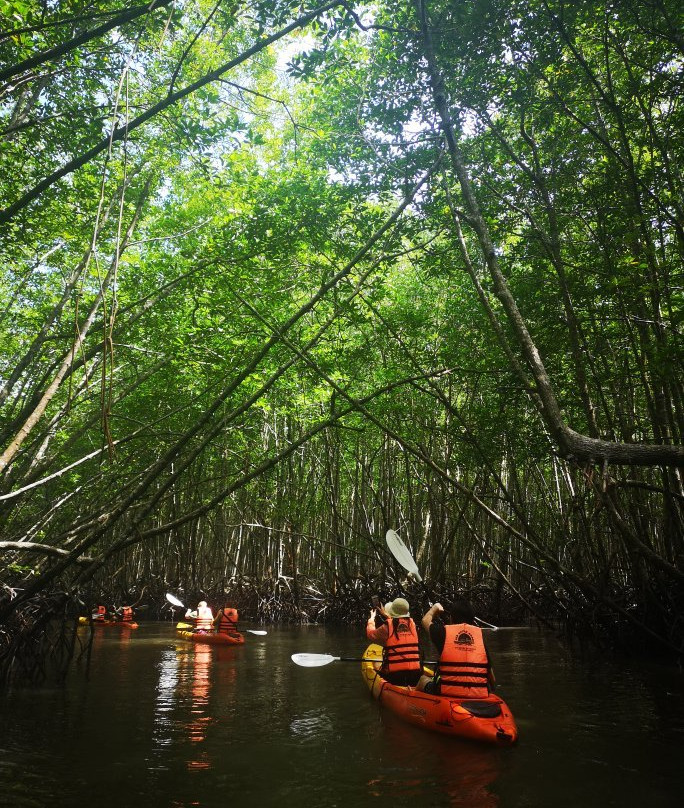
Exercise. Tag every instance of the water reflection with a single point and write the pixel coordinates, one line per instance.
(457, 773)
(165, 698)
(184, 710)
(200, 718)
(211, 727)
(106, 638)
(466, 773)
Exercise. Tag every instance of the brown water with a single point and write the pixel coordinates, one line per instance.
(162, 722)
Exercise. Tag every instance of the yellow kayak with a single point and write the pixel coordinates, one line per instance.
(212, 638)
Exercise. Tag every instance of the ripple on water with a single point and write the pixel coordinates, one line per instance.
(313, 725)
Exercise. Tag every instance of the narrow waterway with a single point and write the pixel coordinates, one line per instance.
(163, 722)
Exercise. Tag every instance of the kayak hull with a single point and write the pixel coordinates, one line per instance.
(185, 630)
(84, 621)
(448, 716)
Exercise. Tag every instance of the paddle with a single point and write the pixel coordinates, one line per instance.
(318, 660)
(403, 555)
(175, 602)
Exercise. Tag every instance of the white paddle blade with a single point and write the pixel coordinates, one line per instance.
(401, 552)
(253, 631)
(313, 660)
(174, 601)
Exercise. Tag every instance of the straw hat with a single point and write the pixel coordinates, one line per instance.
(399, 607)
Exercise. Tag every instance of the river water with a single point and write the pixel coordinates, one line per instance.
(160, 722)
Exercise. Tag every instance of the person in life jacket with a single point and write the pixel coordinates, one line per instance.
(203, 617)
(464, 668)
(401, 662)
(226, 621)
(100, 613)
(126, 614)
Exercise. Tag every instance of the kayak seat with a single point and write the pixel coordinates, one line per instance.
(482, 709)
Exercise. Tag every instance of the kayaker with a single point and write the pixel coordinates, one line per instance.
(100, 613)
(202, 617)
(226, 621)
(464, 669)
(125, 614)
(401, 663)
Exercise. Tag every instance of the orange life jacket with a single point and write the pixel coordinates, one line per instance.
(101, 613)
(127, 614)
(401, 651)
(204, 618)
(463, 664)
(228, 621)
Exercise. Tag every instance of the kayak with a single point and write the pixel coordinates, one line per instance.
(185, 630)
(83, 621)
(489, 720)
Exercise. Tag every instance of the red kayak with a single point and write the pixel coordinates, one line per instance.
(487, 719)
(83, 621)
(212, 638)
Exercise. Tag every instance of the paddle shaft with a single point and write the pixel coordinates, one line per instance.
(377, 659)
(325, 661)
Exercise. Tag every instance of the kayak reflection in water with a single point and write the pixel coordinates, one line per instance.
(202, 617)
(460, 775)
(200, 717)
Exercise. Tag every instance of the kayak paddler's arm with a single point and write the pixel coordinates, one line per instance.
(430, 615)
(378, 635)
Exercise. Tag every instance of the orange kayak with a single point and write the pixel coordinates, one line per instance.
(107, 623)
(212, 638)
(489, 720)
